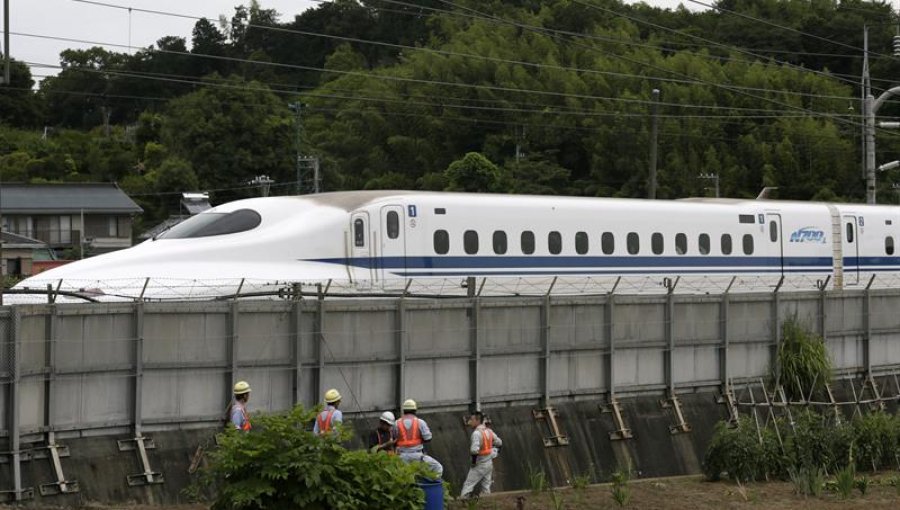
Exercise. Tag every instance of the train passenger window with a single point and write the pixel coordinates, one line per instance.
(608, 243)
(680, 244)
(889, 245)
(748, 244)
(393, 225)
(499, 242)
(527, 242)
(703, 243)
(581, 243)
(359, 233)
(554, 242)
(656, 243)
(633, 243)
(849, 232)
(470, 242)
(441, 242)
(726, 244)
(773, 231)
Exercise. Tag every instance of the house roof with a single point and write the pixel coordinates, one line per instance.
(65, 198)
(11, 240)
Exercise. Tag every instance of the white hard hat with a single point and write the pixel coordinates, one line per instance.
(410, 405)
(332, 396)
(388, 417)
(241, 387)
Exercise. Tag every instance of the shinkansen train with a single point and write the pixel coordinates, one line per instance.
(380, 239)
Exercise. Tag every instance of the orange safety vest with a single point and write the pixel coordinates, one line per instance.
(487, 442)
(391, 449)
(324, 421)
(410, 438)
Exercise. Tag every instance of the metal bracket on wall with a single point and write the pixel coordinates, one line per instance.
(681, 426)
(54, 452)
(549, 416)
(727, 398)
(141, 444)
(621, 432)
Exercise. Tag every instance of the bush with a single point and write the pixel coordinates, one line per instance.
(738, 452)
(803, 361)
(875, 436)
(282, 465)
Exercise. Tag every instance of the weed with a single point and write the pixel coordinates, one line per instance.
(472, 504)
(863, 483)
(844, 481)
(742, 490)
(808, 481)
(557, 500)
(803, 363)
(621, 493)
(581, 482)
(537, 479)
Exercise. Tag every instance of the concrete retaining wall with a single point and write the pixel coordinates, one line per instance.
(78, 374)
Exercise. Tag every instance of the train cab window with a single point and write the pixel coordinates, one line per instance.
(849, 232)
(633, 243)
(889, 245)
(656, 243)
(214, 224)
(499, 242)
(393, 225)
(703, 244)
(581, 243)
(554, 242)
(359, 233)
(773, 231)
(680, 244)
(527, 242)
(470, 242)
(441, 242)
(748, 244)
(726, 244)
(608, 243)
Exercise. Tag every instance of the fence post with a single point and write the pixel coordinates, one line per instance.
(724, 305)
(545, 343)
(401, 351)
(320, 341)
(234, 324)
(776, 330)
(13, 403)
(139, 366)
(867, 338)
(475, 364)
(670, 338)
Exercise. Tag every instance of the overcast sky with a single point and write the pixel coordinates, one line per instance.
(104, 25)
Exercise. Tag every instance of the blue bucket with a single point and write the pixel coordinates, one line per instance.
(434, 494)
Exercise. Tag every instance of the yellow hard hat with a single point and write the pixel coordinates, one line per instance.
(241, 387)
(410, 405)
(332, 396)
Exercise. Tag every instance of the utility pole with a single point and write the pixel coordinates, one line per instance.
(714, 177)
(654, 133)
(6, 41)
(296, 108)
(264, 182)
(870, 108)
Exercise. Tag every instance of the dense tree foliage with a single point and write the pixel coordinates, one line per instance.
(521, 96)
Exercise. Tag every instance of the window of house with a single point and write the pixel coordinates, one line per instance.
(748, 244)
(359, 233)
(581, 243)
(608, 243)
(441, 242)
(680, 244)
(470, 242)
(656, 243)
(499, 242)
(393, 225)
(633, 243)
(726, 244)
(889, 245)
(527, 242)
(554, 242)
(703, 244)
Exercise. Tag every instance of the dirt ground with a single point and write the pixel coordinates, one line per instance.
(692, 493)
(660, 494)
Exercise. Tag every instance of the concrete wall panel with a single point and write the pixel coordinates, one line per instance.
(510, 327)
(846, 351)
(443, 332)
(371, 334)
(186, 337)
(264, 336)
(31, 403)
(639, 322)
(749, 319)
(438, 381)
(696, 364)
(32, 334)
(578, 324)
(364, 387)
(696, 321)
(582, 371)
(638, 367)
(510, 375)
(272, 389)
(749, 360)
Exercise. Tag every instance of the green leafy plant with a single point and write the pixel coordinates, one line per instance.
(863, 483)
(808, 481)
(803, 365)
(580, 482)
(537, 479)
(621, 492)
(844, 481)
(281, 464)
(556, 500)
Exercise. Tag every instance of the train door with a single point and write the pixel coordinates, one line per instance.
(393, 242)
(776, 241)
(360, 264)
(850, 245)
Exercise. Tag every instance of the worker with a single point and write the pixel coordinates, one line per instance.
(412, 433)
(328, 419)
(483, 447)
(383, 439)
(237, 409)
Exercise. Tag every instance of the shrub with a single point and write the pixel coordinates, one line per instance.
(844, 481)
(803, 361)
(737, 452)
(808, 481)
(281, 464)
(875, 436)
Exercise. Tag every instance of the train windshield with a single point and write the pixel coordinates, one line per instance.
(214, 224)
